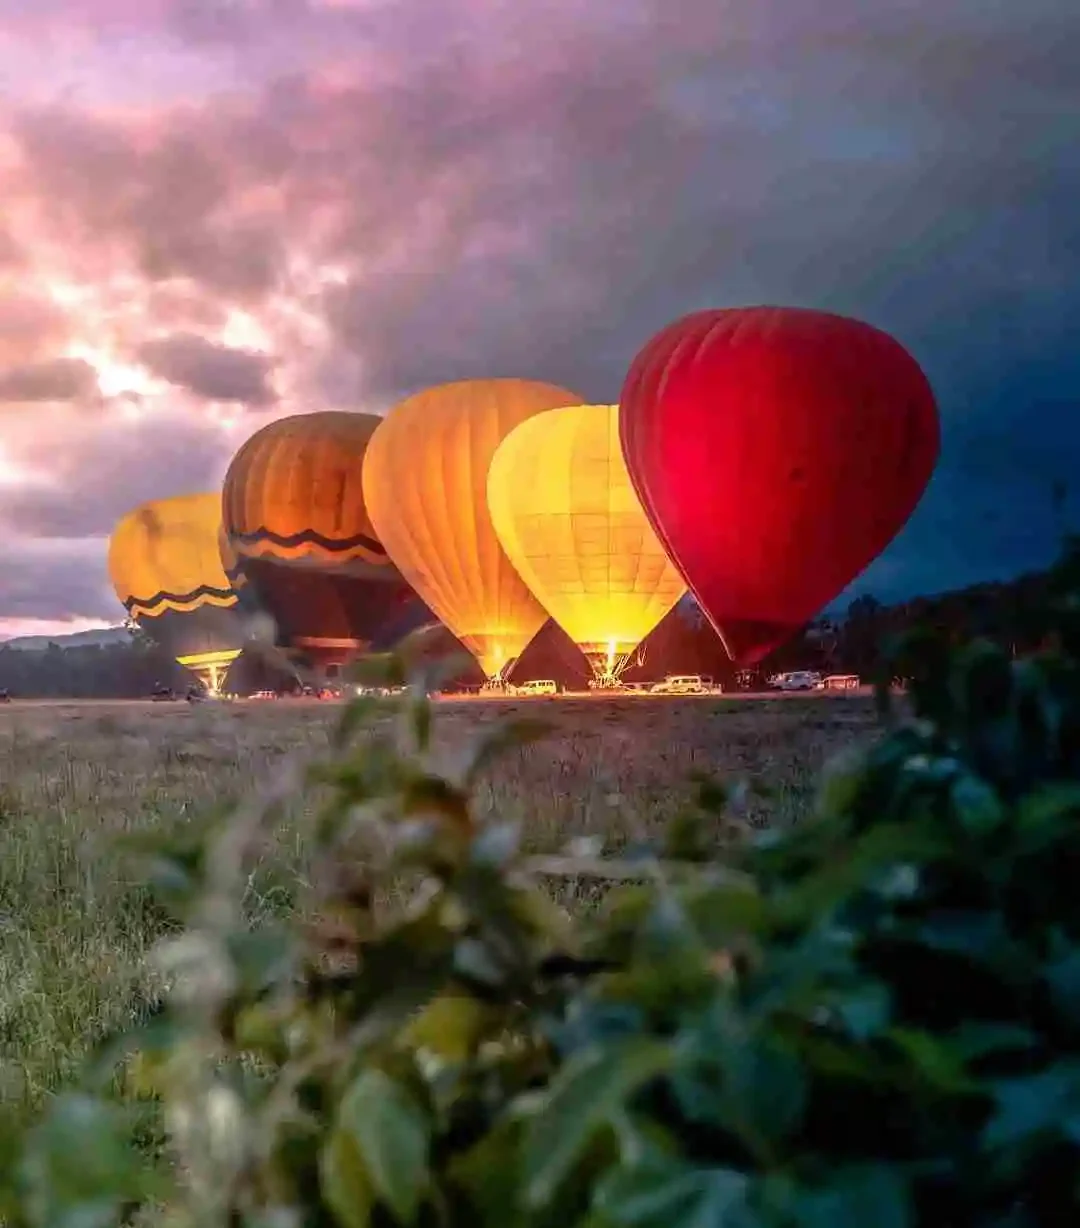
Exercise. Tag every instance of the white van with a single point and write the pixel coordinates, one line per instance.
(680, 684)
(798, 680)
(537, 686)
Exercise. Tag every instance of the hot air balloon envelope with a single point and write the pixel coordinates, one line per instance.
(776, 452)
(567, 516)
(165, 566)
(425, 482)
(305, 549)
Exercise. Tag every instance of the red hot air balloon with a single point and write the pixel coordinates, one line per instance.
(777, 451)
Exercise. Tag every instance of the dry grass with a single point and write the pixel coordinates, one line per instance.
(75, 925)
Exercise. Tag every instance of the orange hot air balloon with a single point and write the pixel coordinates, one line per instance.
(425, 482)
(777, 451)
(165, 566)
(305, 549)
(567, 516)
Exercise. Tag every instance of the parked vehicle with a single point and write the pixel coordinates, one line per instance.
(796, 680)
(680, 684)
(537, 686)
(840, 682)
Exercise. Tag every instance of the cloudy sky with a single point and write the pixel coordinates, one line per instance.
(221, 211)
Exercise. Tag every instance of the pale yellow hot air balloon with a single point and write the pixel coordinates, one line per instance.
(425, 488)
(567, 516)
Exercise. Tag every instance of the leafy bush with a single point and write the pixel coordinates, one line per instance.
(871, 1019)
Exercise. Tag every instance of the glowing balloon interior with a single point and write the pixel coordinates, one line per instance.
(567, 516)
(425, 483)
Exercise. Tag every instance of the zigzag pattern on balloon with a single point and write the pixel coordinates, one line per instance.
(358, 543)
(180, 602)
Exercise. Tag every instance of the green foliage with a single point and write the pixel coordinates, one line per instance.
(873, 1018)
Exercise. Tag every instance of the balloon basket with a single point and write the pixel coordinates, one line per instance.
(210, 667)
(607, 662)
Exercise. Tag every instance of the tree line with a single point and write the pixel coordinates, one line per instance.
(1011, 613)
(95, 671)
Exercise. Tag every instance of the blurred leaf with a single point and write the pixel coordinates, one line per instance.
(591, 1088)
(864, 1009)
(841, 781)
(670, 1194)
(1034, 1104)
(425, 793)
(980, 936)
(79, 1167)
(1063, 977)
(419, 713)
(261, 956)
(490, 1171)
(451, 1026)
(146, 1043)
(873, 858)
(688, 837)
(259, 1031)
(392, 1136)
(475, 961)
(346, 1187)
(976, 804)
(717, 914)
(550, 924)
(938, 1063)
(873, 1194)
(749, 1085)
(1041, 814)
(974, 1040)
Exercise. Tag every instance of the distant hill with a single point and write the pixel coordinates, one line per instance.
(77, 639)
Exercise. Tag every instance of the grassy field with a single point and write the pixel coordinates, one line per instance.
(75, 923)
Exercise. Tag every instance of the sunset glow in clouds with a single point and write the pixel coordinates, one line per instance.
(218, 212)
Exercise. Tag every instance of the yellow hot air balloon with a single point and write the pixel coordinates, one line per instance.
(165, 565)
(567, 516)
(425, 486)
